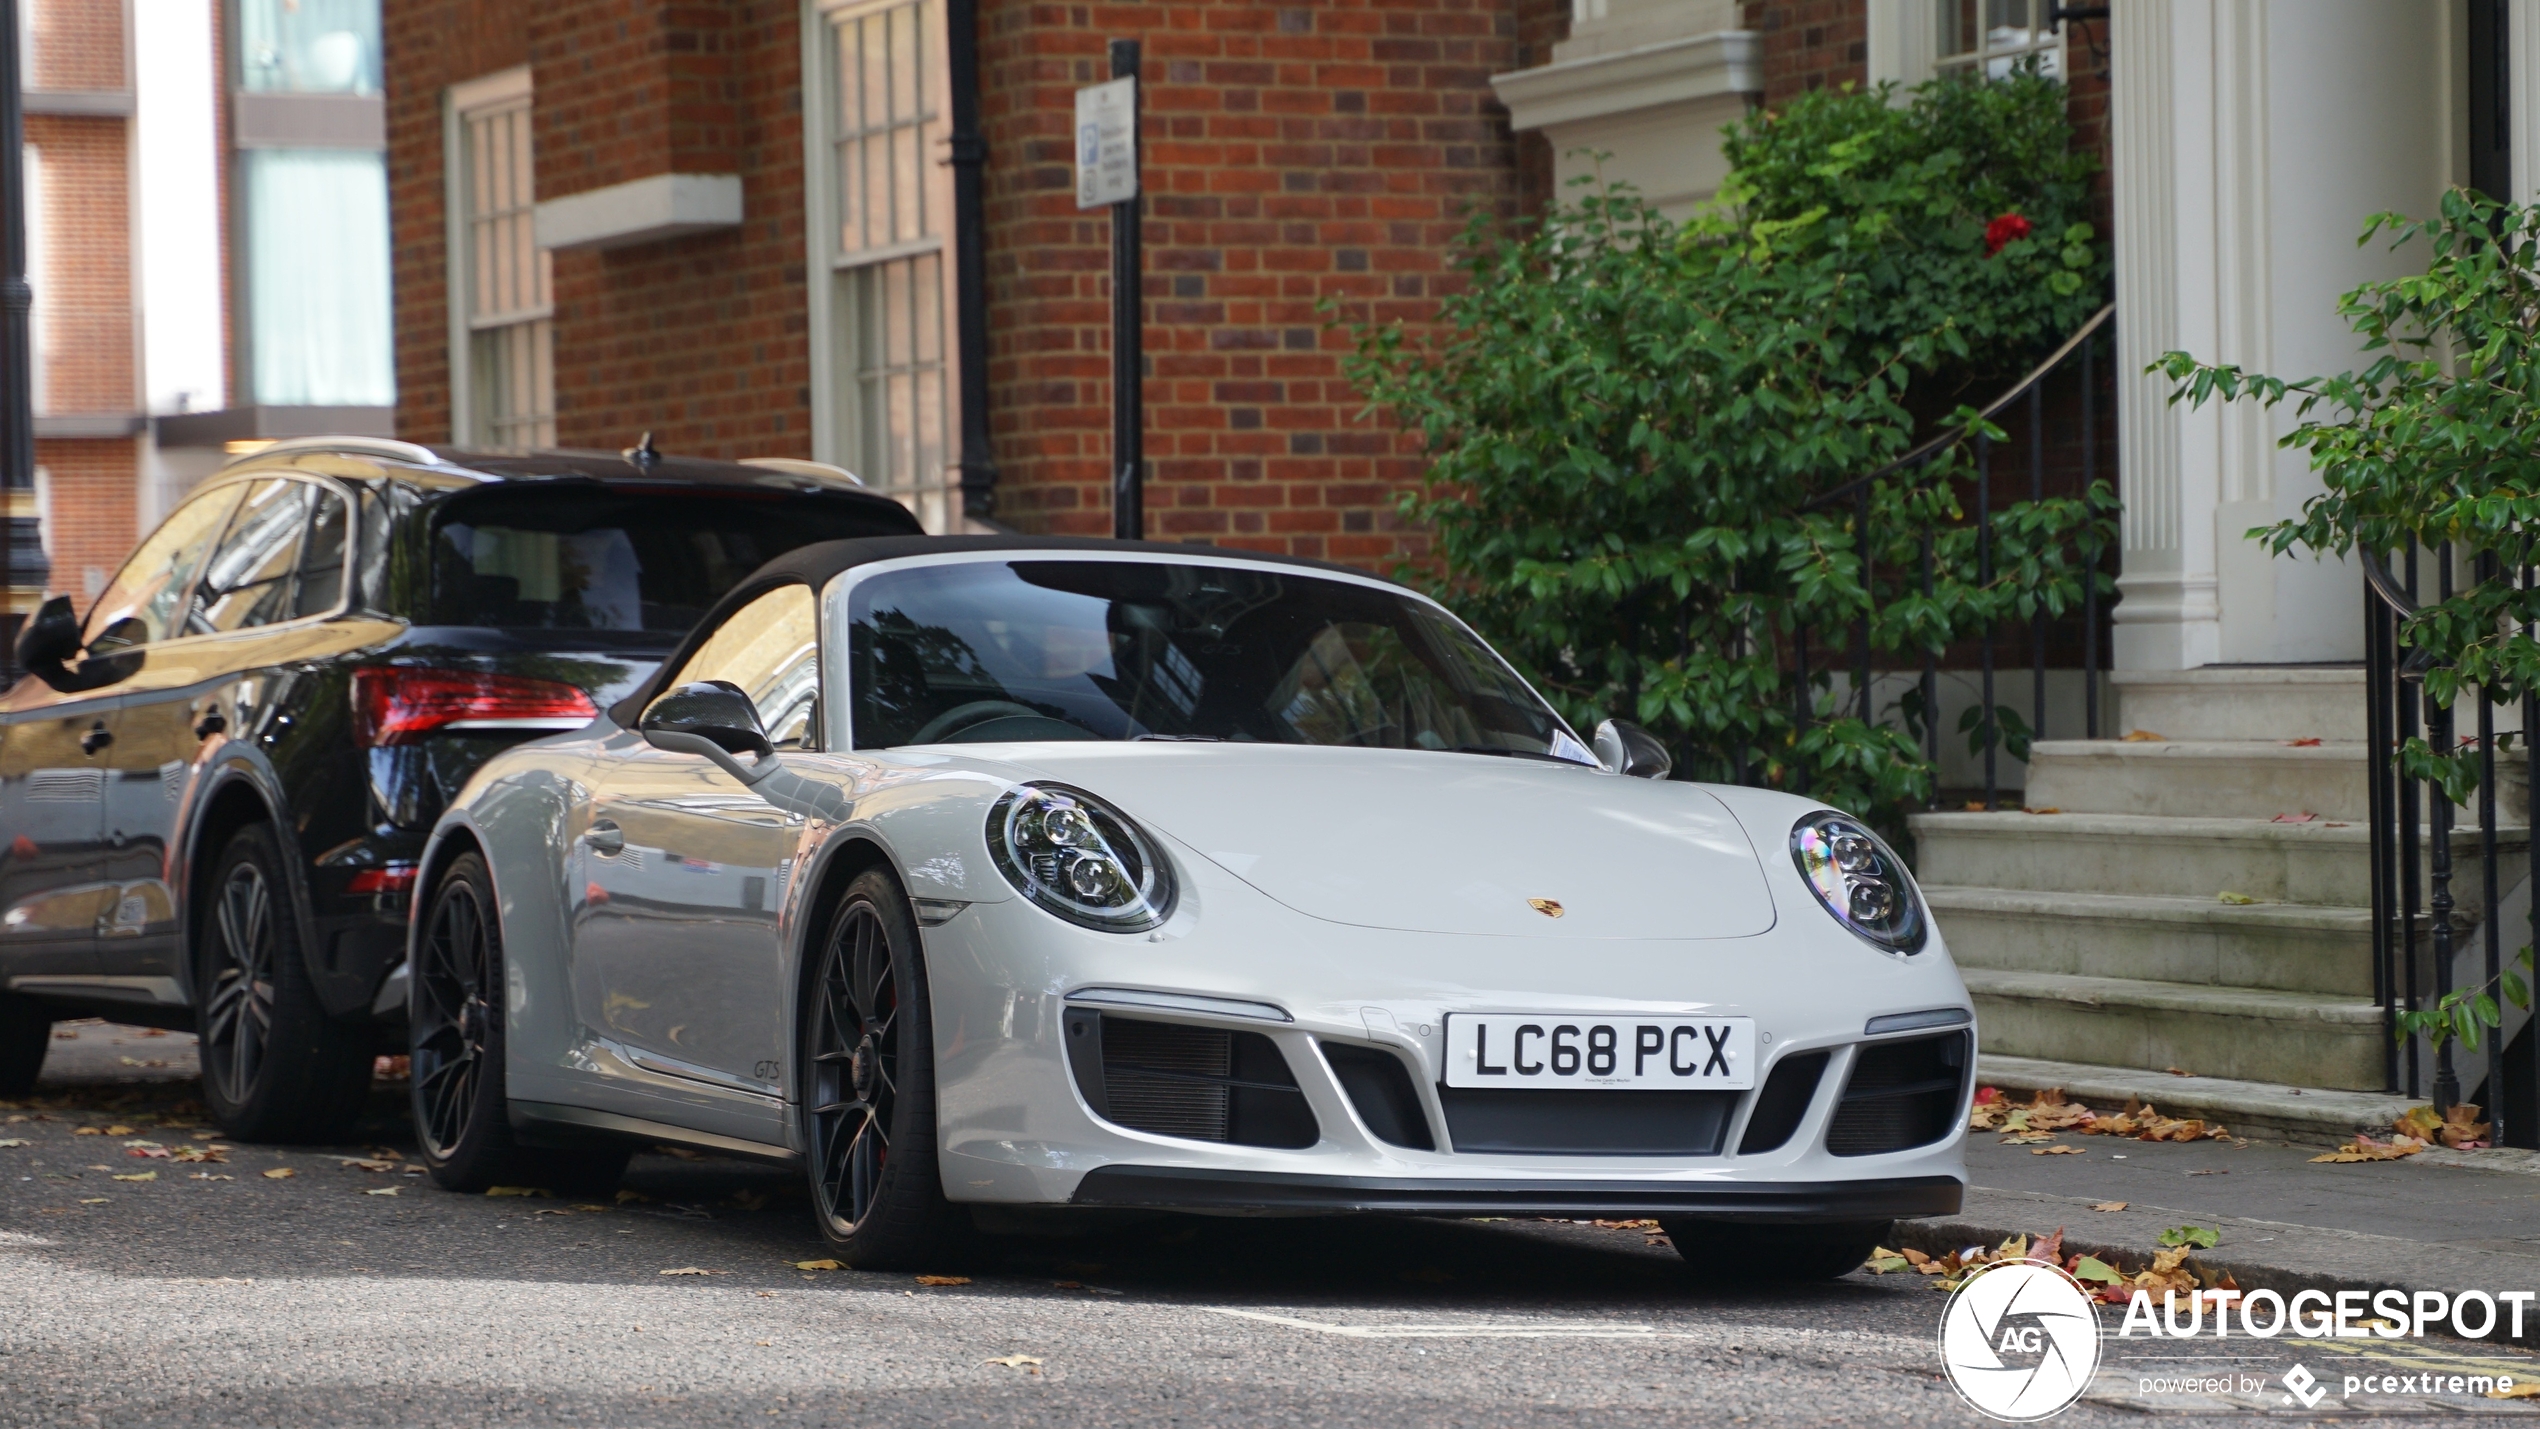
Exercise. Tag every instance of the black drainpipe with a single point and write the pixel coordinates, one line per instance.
(970, 262)
(17, 394)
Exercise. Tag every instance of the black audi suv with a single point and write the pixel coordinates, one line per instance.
(215, 784)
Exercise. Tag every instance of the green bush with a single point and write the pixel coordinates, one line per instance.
(1627, 419)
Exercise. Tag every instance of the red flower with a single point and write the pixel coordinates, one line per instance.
(2009, 228)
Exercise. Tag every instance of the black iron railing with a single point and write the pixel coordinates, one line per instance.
(2416, 919)
(2077, 363)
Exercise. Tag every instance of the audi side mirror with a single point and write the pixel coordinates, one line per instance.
(1625, 748)
(49, 642)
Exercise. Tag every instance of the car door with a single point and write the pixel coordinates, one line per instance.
(279, 561)
(682, 868)
(57, 790)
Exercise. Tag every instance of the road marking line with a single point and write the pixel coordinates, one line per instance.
(1450, 1332)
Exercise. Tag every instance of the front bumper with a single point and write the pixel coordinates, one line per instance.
(1274, 1193)
(1017, 1126)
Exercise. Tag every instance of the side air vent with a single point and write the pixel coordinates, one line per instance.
(1782, 1103)
(1901, 1095)
(1198, 1083)
(1379, 1087)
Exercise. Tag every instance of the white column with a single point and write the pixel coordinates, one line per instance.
(2251, 140)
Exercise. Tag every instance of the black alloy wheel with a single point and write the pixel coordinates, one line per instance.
(869, 1093)
(455, 1040)
(26, 1034)
(276, 1067)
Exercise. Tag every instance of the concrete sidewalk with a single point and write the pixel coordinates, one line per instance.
(2441, 1220)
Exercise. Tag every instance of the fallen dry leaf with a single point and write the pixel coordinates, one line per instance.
(819, 1265)
(280, 1173)
(632, 1197)
(88, 1131)
(383, 1190)
(2056, 1151)
(2523, 1389)
(693, 1270)
(520, 1191)
(94, 1200)
(943, 1280)
(2178, 1071)
(2049, 809)
(119, 1131)
(367, 1163)
(2236, 900)
(140, 1176)
(2306, 742)
(1029, 1364)
(13, 1141)
(208, 1176)
(2364, 1148)
(2141, 736)
(2107, 1205)
(2292, 818)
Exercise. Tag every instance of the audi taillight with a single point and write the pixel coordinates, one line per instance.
(399, 704)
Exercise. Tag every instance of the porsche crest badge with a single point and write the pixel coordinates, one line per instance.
(1546, 906)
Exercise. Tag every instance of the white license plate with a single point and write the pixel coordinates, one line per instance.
(1515, 1051)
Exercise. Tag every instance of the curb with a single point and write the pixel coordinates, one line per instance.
(2258, 1255)
(2310, 1116)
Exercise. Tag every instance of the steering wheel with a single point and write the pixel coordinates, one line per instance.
(975, 712)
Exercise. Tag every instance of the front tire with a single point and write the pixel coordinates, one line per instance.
(867, 1052)
(276, 1067)
(1738, 1252)
(26, 1034)
(454, 1018)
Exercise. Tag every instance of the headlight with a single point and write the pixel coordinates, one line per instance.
(1861, 883)
(1079, 858)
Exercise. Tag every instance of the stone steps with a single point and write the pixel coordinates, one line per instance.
(2265, 702)
(2229, 779)
(2312, 1115)
(2238, 1033)
(2325, 952)
(2325, 862)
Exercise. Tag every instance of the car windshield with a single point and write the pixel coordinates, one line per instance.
(637, 567)
(980, 651)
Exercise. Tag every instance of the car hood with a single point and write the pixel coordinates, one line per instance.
(1438, 843)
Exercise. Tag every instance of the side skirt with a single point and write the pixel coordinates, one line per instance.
(557, 1125)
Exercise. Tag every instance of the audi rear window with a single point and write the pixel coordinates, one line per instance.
(633, 564)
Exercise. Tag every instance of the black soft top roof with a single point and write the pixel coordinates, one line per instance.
(816, 564)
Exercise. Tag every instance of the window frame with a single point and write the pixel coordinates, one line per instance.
(472, 99)
(231, 487)
(816, 726)
(836, 431)
(1904, 44)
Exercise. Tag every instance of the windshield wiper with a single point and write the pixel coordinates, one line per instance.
(1511, 753)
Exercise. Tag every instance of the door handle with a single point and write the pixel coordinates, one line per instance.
(97, 738)
(210, 724)
(605, 837)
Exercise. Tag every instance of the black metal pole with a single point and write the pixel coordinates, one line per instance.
(970, 262)
(2379, 681)
(1862, 705)
(2438, 726)
(1984, 585)
(17, 374)
(2037, 617)
(2406, 708)
(1128, 395)
(2487, 881)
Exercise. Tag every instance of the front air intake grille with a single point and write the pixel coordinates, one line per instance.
(1901, 1095)
(1782, 1103)
(1587, 1122)
(1197, 1083)
(1379, 1087)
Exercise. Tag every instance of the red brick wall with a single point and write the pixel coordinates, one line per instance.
(428, 47)
(91, 523)
(78, 43)
(1811, 44)
(83, 302)
(1294, 154)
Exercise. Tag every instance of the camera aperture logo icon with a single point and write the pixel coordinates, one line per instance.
(2020, 1340)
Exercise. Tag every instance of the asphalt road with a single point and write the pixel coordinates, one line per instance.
(215, 1293)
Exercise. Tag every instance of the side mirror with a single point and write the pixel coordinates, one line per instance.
(1626, 748)
(713, 718)
(49, 641)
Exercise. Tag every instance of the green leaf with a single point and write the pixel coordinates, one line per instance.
(2200, 1237)
(2091, 1268)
